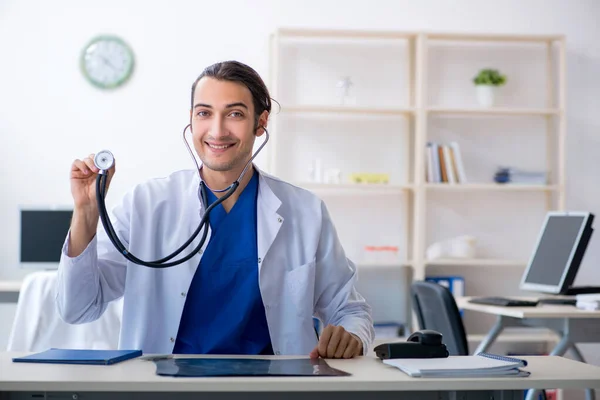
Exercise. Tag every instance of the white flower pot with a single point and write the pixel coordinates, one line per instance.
(486, 95)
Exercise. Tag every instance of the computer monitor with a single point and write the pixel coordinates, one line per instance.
(560, 247)
(42, 234)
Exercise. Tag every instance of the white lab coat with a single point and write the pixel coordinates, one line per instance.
(303, 270)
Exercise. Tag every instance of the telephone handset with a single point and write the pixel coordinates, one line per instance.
(425, 343)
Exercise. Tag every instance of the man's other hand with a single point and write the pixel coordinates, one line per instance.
(335, 342)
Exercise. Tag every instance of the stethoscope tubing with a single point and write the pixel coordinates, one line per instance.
(101, 186)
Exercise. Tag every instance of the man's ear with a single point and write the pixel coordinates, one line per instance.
(191, 114)
(262, 123)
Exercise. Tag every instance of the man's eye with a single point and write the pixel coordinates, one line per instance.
(236, 114)
(202, 113)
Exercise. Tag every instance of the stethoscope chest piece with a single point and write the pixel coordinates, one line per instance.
(104, 160)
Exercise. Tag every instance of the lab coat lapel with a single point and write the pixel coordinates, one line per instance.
(268, 220)
(196, 216)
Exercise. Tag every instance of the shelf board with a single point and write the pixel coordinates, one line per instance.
(331, 33)
(354, 188)
(450, 36)
(482, 262)
(306, 109)
(384, 264)
(482, 187)
(496, 111)
(347, 110)
(486, 37)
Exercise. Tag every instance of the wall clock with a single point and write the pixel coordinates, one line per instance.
(107, 62)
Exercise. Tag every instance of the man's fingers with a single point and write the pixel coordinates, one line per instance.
(352, 349)
(336, 342)
(314, 353)
(79, 169)
(89, 161)
(324, 340)
(336, 337)
(343, 345)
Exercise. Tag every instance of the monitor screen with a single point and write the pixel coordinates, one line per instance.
(43, 234)
(555, 251)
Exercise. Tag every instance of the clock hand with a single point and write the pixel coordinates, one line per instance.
(108, 63)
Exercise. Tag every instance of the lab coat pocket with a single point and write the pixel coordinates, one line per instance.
(300, 285)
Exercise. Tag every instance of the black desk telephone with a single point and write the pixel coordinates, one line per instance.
(425, 343)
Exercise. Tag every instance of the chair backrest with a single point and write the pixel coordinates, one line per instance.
(37, 325)
(436, 309)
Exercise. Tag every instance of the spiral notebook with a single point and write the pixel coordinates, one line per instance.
(480, 365)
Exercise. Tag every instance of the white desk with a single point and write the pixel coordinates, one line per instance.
(136, 378)
(570, 323)
(9, 291)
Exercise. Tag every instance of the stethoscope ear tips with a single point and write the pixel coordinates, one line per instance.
(104, 160)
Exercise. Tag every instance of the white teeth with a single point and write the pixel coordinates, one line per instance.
(218, 147)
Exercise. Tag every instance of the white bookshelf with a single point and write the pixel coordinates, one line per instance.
(405, 105)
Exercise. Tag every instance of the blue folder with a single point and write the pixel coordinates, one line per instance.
(70, 356)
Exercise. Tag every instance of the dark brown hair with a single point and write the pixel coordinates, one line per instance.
(235, 71)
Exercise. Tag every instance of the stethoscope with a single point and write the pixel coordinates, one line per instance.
(104, 160)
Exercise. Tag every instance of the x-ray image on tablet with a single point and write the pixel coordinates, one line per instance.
(211, 367)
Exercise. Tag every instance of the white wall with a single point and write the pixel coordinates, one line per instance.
(50, 115)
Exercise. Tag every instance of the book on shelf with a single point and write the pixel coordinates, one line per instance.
(444, 163)
(450, 168)
(454, 283)
(517, 176)
(443, 168)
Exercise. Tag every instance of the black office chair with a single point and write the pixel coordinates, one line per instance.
(436, 309)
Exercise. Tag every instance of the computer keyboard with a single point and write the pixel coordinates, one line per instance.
(559, 301)
(503, 301)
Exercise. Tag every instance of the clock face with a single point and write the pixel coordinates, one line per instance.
(107, 62)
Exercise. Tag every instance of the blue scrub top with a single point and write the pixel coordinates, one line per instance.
(224, 312)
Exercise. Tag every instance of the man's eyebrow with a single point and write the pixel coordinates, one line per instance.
(238, 104)
(202, 105)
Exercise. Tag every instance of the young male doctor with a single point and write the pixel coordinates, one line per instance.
(273, 259)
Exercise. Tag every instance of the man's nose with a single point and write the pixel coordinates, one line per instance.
(217, 128)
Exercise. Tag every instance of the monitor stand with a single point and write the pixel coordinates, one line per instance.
(572, 291)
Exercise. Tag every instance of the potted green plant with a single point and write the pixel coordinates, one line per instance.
(486, 82)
